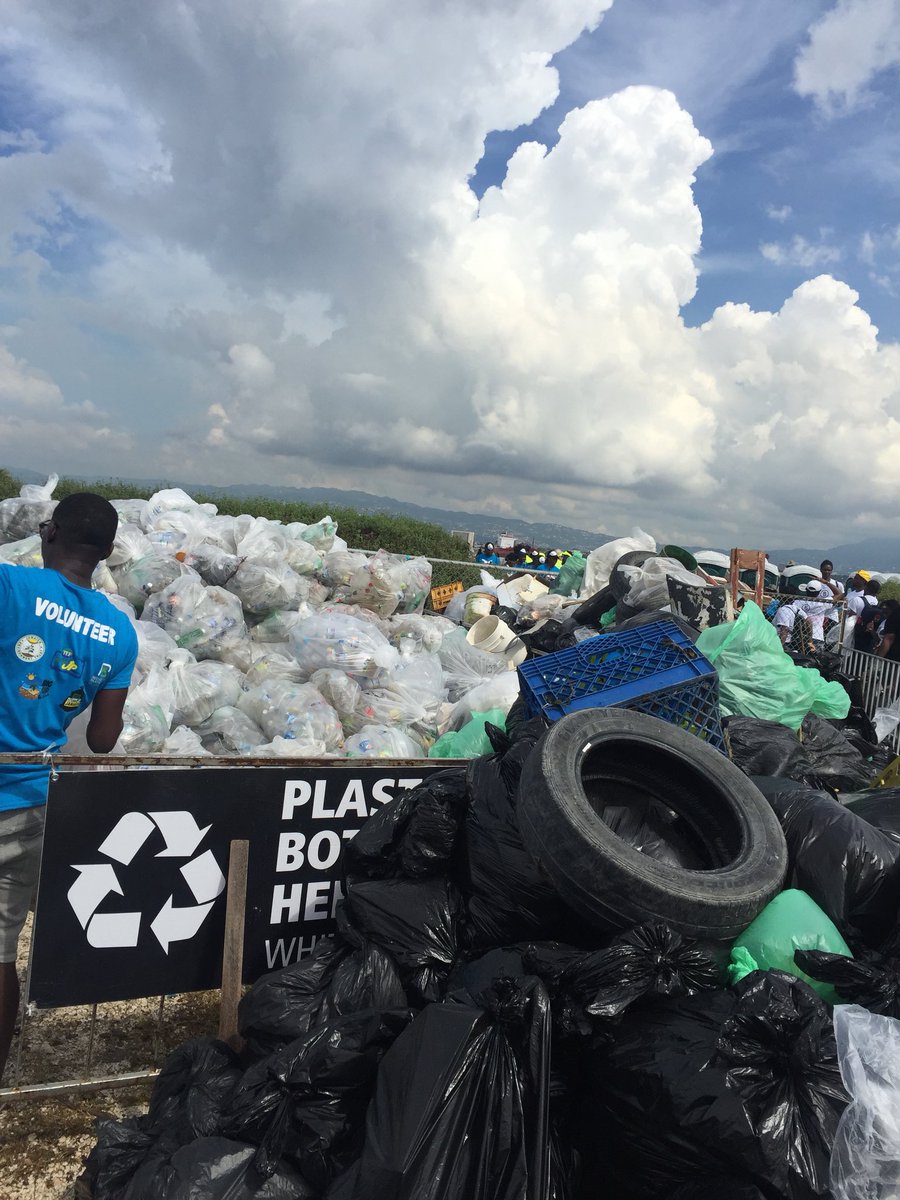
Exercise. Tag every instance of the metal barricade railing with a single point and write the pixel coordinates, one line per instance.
(880, 682)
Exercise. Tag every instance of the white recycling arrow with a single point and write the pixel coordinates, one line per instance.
(181, 832)
(94, 883)
(204, 877)
(108, 930)
(127, 836)
(178, 924)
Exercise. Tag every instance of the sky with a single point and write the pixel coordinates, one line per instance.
(601, 262)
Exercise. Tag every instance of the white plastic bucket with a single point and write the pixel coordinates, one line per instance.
(491, 635)
(478, 605)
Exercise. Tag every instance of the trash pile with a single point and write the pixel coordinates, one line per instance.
(644, 945)
(565, 971)
(258, 638)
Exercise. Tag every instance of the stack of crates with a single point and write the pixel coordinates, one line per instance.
(653, 669)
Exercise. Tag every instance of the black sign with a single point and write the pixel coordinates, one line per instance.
(131, 900)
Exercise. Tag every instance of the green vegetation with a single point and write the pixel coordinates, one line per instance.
(9, 485)
(890, 591)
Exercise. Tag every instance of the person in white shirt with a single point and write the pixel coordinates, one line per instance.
(810, 608)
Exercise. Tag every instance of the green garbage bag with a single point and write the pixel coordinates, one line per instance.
(571, 574)
(471, 740)
(757, 678)
(792, 921)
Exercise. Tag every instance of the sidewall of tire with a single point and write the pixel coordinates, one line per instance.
(610, 882)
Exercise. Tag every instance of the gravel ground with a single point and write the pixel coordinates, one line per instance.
(43, 1143)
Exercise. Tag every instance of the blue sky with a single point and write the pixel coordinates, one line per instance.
(316, 244)
(828, 180)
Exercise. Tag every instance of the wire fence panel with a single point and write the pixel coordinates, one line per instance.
(880, 682)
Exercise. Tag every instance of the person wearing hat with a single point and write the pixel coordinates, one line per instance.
(488, 555)
(856, 586)
(810, 608)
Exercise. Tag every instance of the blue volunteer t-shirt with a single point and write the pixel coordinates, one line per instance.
(60, 644)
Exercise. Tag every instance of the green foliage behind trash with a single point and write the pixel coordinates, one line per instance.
(889, 591)
(9, 485)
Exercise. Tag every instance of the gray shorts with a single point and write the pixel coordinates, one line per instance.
(21, 835)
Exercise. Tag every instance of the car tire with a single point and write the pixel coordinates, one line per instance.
(601, 757)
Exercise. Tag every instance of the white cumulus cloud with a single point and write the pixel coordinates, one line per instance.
(283, 276)
(851, 44)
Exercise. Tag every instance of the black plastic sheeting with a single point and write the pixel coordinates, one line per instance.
(646, 962)
(850, 868)
(871, 979)
(342, 976)
(461, 1107)
(743, 1085)
(508, 897)
(880, 808)
(822, 757)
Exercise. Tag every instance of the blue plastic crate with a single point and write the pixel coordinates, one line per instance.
(654, 669)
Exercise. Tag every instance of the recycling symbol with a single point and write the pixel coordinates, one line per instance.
(95, 881)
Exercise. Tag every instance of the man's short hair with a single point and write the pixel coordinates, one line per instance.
(826, 562)
(86, 519)
(872, 588)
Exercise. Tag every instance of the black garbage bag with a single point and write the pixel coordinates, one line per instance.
(508, 897)
(720, 1188)
(414, 835)
(118, 1152)
(871, 979)
(647, 961)
(880, 807)
(215, 1168)
(415, 922)
(740, 1084)
(767, 748)
(306, 1103)
(822, 757)
(835, 759)
(186, 1103)
(460, 1110)
(850, 868)
(343, 975)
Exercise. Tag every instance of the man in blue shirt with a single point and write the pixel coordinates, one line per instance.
(62, 647)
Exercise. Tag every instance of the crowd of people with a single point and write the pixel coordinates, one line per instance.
(523, 555)
(872, 624)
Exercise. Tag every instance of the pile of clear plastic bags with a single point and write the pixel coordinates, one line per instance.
(262, 638)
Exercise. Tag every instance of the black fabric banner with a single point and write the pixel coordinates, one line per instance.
(131, 900)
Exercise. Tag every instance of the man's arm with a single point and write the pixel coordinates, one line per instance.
(885, 644)
(105, 724)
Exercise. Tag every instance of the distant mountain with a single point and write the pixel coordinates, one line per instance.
(871, 554)
(485, 526)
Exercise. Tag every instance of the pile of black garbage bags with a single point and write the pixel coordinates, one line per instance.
(465, 1036)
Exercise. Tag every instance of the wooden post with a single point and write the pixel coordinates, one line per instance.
(233, 949)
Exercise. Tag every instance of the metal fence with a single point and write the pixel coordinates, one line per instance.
(880, 681)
